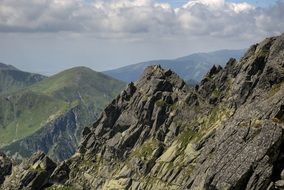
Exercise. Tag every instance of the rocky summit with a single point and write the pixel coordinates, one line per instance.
(159, 133)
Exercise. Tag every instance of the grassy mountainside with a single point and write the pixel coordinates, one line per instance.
(79, 83)
(12, 79)
(25, 112)
(190, 68)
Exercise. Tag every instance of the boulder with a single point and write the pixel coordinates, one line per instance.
(33, 174)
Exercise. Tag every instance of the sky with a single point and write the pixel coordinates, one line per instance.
(258, 3)
(48, 36)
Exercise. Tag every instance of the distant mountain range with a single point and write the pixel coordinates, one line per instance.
(50, 113)
(191, 68)
(12, 79)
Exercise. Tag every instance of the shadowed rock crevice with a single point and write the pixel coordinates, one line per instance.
(278, 166)
(5, 167)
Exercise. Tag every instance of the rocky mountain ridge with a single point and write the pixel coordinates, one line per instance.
(226, 133)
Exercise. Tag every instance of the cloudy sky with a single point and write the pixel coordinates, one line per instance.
(47, 36)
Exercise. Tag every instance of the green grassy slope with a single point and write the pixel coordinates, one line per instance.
(79, 83)
(24, 112)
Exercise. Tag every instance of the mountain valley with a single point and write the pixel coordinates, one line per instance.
(49, 114)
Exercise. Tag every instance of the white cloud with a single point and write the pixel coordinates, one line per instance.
(241, 7)
(213, 4)
(140, 18)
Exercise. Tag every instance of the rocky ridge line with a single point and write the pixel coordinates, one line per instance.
(226, 133)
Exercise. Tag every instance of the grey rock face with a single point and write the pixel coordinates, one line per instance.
(135, 115)
(239, 158)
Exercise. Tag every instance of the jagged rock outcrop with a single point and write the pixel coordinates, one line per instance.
(141, 111)
(226, 133)
(33, 174)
